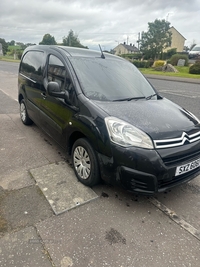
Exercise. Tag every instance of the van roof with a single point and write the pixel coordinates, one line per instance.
(72, 51)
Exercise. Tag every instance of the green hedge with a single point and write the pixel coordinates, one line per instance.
(142, 64)
(195, 68)
(132, 56)
(175, 58)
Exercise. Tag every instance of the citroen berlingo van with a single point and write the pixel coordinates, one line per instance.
(109, 118)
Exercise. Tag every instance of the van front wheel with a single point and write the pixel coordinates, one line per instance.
(85, 162)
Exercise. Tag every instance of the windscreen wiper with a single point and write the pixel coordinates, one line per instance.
(150, 97)
(129, 98)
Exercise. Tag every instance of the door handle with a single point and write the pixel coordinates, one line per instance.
(43, 95)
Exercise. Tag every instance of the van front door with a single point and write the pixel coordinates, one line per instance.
(55, 112)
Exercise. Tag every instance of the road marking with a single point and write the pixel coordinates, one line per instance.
(7, 94)
(173, 216)
(173, 93)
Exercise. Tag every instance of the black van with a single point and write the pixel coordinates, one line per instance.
(112, 122)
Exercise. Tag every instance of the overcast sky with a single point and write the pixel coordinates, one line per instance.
(105, 22)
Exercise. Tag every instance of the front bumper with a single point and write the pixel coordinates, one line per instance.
(148, 171)
(194, 55)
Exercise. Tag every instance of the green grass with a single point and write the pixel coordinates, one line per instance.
(9, 59)
(183, 72)
(14, 47)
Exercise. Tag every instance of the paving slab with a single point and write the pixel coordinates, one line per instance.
(61, 188)
(118, 229)
(21, 208)
(23, 249)
(15, 179)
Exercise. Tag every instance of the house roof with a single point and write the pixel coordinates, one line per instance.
(131, 48)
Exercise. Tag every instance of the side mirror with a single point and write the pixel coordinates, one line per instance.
(53, 89)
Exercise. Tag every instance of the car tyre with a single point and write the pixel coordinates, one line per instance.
(24, 114)
(85, 163)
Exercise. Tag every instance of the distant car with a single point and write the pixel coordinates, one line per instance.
(109, 118)
(195, 52)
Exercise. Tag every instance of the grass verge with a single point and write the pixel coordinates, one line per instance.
(9, 59)
(182, 72)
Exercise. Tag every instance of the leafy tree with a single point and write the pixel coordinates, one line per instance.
(157, 38)
(29, 44)
(4, 45)
(11, 43)
(19, 44)
(72, 40)
(168, 54)
(48, 40)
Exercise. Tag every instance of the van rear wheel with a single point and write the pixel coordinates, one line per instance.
(85, 163)
(24, 114)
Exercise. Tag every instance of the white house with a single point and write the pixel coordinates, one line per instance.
(125, 49)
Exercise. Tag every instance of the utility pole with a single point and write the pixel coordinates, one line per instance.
(138, 41)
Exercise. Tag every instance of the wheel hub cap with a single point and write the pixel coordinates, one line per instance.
(82, 162)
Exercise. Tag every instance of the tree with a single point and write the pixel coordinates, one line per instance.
(157, 38)
(11, 43)
(48, 40)
(4, 45)
(72, 40)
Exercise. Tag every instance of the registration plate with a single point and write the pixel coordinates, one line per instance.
(187, 167)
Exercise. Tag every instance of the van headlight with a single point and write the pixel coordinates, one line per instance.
(126, 135)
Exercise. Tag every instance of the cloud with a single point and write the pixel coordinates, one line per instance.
(95, 21)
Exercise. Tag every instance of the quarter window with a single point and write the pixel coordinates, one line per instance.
(32, 65)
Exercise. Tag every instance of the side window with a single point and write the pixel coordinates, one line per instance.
(32, 65)
(58, 73)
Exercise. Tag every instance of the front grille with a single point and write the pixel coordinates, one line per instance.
(178, 179)
(177, 160)
(179, 141)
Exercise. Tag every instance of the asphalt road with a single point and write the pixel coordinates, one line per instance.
(186, 95)
(117, 229)
(9, 67)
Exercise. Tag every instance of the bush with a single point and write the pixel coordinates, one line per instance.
(19, 54)
(175, 58)
(132, 56)
(142, 64)
(195, 68)
(158, 63)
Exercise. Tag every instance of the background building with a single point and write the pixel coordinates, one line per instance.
(178, 41)
(125, 49)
